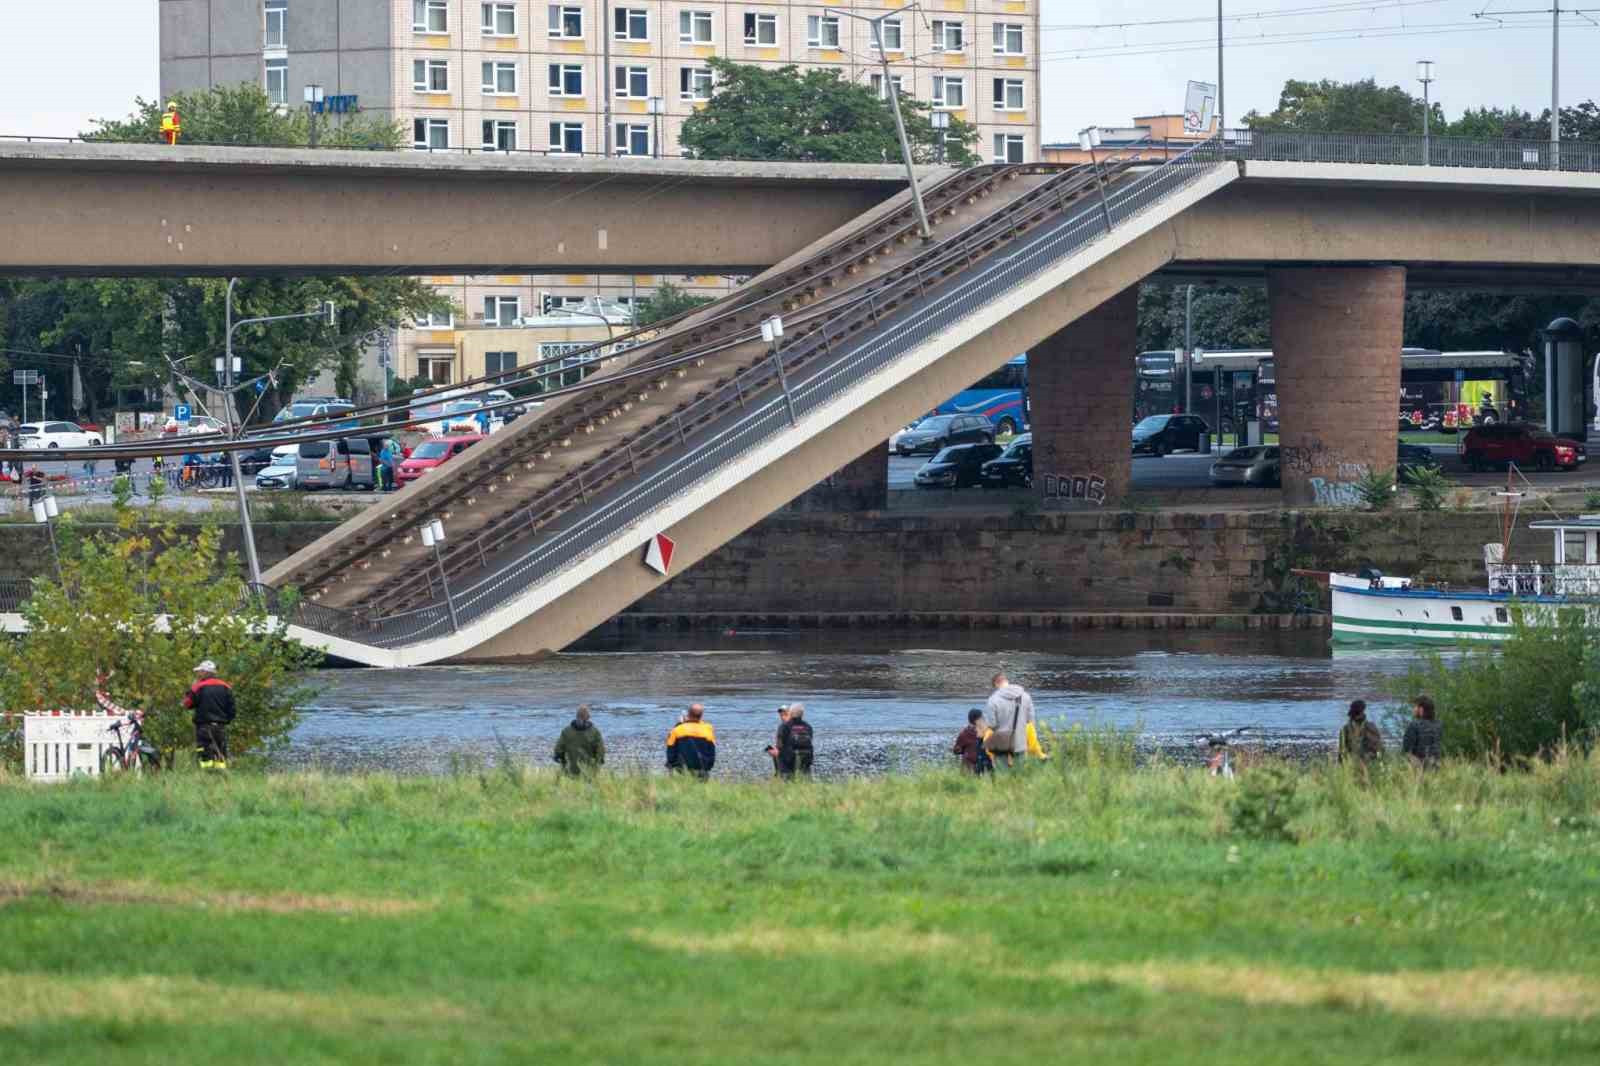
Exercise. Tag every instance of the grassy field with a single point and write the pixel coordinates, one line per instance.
(505, 916)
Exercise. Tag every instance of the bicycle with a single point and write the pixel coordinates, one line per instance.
(1220, 762)
(133, 753)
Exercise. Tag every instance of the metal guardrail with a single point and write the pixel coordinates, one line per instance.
(1399, 149)
(868, 351)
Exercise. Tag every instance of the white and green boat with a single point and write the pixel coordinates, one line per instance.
(1372, 607)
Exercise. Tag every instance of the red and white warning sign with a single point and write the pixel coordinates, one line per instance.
(658, 553)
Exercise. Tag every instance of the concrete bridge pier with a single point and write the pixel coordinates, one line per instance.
(1336, 336)
(1080, 388)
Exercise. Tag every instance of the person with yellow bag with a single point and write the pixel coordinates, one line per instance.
(1014, 735)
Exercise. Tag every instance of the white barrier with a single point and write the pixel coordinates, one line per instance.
(57, 745)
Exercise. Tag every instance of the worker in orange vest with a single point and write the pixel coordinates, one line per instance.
(171, 124)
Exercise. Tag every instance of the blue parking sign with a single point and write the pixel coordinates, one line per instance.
(182, 412)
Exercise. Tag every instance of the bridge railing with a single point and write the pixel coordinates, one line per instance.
(1404, 149)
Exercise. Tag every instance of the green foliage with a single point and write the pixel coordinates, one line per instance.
(1266, 802)
(141, 605)
(784, 113)
(668, 301)
(1591, 500)
(1343, 107)
(1429, 487)
(243, 114)
(1376, 489)
(1538, 689)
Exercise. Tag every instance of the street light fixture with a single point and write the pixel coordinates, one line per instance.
(45, 511)
(772, 333)
(655, 123)
(1425, 76)
(1088, 141)
(433, 536)
(314, 99)
(940, 121)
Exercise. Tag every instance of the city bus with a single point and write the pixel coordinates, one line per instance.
(1230, 387)
(1002, 395)
(1448, 390)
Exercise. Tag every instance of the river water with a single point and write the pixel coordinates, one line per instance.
(878, 702)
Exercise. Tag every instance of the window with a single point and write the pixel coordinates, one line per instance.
(278, 81)
(501, 310)
(949, 93)
(893, 36)
(436, 368)
(760, 30)
(896, 80)
(499, 135)
(427, 133)
(566, 22)
(1007, 39)
(499, 19)
(277, 16)
(436, 319)
(633, 139)
(694, 83)
(499, 362)
(1500, 615)
(566, 137)
(694, 27)
(566, 79)
(430, 75)
(430, 16)
(1008, 148)
(633, 83)
(630, 24)
(500, 79)
(822, 31)
(1008, 94)
(947, 36)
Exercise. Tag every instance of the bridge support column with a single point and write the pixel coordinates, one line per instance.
(860, 485)
(1080, 389)
(1336, 336)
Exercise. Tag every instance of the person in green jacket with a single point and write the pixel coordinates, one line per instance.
(581, 749)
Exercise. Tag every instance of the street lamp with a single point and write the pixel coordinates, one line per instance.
(433, 536)
(940, 121)
(655, 124)
(1089, 140)
(314, 98)
(772, 333)
(1425, 76)
(45, 510)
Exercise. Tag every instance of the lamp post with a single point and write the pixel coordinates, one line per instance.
(314, 98)
(45, 511)
(772, 333)
(1089, 140)
(655, 126)
(876, 22)
(1188, 351)
(433, 536)
(1425, 76)
(940, 121)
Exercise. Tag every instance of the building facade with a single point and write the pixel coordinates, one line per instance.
(616, 77)
(1151, 137)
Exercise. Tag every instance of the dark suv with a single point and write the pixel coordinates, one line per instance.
(937, 432)
(1014, 466)
(956, 467)
(1521, 443)
(1160, 434)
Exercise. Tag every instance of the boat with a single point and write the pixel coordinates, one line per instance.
(1373, 607)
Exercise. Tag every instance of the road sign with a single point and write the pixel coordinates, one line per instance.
(24, 377)
(182, 412)
(658, 554)
(261, 386)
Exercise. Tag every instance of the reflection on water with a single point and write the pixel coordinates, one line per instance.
(878, 701)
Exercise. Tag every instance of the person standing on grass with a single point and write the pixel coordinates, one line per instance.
(211, 700)
(581, 750)
(1009, 713)
(1359, 740)
(795, 749)
(772, 749)
(969, 745)
(1423, 743)
(692, 744)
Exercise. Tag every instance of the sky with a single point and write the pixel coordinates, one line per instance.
(1104, 61)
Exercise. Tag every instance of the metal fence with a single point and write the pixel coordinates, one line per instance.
(1400, 149)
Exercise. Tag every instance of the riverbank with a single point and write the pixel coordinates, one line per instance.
(500, 915)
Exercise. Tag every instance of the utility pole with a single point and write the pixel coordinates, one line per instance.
(1222, 109)
(1555, 85)
(1425, 76)
(1188, 351)
(607, 77)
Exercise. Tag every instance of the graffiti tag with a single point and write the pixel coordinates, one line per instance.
(1090, 488)
(1336, 493)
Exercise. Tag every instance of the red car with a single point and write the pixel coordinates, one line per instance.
(432, 452)
(1521, 443)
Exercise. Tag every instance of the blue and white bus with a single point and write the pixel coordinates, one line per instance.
(1002, 395)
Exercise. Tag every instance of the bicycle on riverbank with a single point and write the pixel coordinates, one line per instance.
(133, 753)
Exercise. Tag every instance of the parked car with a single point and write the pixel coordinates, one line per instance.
(461, 416)
(1521, 443)
(1014, 466)
(319, 407)
(1410, 458)
(331, 464)
(1159, 434)
(279, 473)
(507, 415)
(1258, 465)
(433, 452)
(196, 424)
(937, 432)
(55, 435)
(956, 467)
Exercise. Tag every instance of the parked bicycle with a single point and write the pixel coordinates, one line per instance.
(131, 753)
(1220, 762)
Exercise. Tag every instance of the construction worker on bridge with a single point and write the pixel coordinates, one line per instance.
(171, 123)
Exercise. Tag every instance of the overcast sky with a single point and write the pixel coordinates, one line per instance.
(56, 73)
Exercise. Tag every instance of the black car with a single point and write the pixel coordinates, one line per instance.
(1014, 466)
(1413, 457)
(956, 466)
(1160, 434)
(937, 432)
(255, 460)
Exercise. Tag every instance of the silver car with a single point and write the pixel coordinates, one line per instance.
(1248, 466)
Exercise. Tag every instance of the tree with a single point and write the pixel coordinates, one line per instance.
(242, 114)
(141, 605)
(785, 113)
(1344, 107)
(668, 301)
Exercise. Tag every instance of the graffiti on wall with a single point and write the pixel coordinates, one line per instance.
(1343, 490)
(1085, 488)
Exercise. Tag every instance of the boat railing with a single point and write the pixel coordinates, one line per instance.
(1537, 579)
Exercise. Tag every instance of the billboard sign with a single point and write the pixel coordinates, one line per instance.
(1199, 107)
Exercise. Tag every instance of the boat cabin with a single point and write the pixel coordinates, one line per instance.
(1576, 571)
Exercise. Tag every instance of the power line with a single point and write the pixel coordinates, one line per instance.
(1334, 7)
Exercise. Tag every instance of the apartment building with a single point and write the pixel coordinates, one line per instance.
(616, 77)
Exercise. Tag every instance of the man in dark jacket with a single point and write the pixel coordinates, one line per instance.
(692, 744)
(1424, 739)
(581, 750)
(1359, 740)
(211, 700)
(794, 743)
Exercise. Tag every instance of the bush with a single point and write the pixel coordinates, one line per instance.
(1266, 803)
(1376, 489)
(1429, 486)
(1525, 698)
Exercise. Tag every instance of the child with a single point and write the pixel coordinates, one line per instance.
(969, 744)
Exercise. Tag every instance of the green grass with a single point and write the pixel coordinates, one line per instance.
(1419, 437)
(1082, 909)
